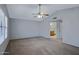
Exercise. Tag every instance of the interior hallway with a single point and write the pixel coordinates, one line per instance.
(39, 46)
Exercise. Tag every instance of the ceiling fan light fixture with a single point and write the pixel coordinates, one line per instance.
(40, 13)
(39, 16)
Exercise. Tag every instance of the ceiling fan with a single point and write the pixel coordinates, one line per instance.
(40, 13)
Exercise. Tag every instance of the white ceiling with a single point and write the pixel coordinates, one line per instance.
(25, 11)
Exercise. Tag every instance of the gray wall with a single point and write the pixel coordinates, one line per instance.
(45, 29)
(4, 44)
(20, 28)
(70, 26)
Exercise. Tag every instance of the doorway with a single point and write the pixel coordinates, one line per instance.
(53, 30)
(56, 29)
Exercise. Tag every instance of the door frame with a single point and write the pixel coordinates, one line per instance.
(59, 29)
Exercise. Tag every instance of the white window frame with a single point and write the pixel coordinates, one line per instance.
(3, 26)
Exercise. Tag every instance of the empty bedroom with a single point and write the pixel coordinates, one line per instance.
(39, 29)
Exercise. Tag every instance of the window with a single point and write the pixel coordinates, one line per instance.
(3, 27)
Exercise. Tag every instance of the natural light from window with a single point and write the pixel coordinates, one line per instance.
(3, 27)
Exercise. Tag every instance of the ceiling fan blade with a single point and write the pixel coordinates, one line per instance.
(40, 13)
(45, 14)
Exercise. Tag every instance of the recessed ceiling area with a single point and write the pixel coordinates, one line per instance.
(25, 11)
